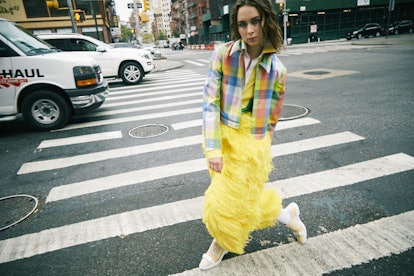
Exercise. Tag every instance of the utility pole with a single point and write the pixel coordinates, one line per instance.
(285, 20)
(72, 18)
(137, 31)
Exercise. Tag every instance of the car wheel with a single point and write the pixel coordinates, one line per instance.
(46, 110)
(359, 36)
(377, 34)
(131, 73)
(396, 32)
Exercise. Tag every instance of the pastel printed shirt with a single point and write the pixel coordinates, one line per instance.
(223, 92)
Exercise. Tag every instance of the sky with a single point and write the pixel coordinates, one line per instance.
(122, 9)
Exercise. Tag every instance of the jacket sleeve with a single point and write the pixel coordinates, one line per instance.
(278, 96)
(211, 103)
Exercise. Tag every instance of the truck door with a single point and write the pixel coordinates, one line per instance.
(7, 84)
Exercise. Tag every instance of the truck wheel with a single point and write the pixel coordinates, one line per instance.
(131, 73)
(45, 110)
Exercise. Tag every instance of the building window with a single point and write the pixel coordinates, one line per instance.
(35, 8)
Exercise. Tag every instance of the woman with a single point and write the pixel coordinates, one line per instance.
(243, 97)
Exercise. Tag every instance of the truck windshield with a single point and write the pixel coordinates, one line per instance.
(23, 40)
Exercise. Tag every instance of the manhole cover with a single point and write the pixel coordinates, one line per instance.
(15, 209)
(291, 111)
(147, 131)
(317, 73)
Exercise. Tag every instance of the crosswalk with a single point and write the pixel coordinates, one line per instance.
(176, 99)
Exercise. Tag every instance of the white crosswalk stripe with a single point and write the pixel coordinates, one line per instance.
(179, 100)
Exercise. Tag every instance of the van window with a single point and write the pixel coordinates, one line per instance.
(26, 42)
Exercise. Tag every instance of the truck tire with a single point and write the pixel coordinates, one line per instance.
(46, 110)
(131, 73)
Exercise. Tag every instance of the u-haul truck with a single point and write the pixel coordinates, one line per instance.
(44, 85)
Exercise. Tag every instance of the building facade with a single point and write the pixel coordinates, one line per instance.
(100, 17)
(323, 19)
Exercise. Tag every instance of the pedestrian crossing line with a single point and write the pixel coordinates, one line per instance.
(80, 139)
(280, 125)
(194, 62)
(160, 172)
(325, 253)
(148, 100)
(141, 108)
(59, 163)
(157, 99)
(156, 86)
(52, 164)
(140, 220)
(160, 90)
(204, 60)
(345, 175)
(131, 119)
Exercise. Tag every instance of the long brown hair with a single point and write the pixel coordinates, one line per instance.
(271, 29)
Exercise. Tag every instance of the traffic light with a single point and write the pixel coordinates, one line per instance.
(147, 5)
(79, 15)
(281, 7)
(52, 4)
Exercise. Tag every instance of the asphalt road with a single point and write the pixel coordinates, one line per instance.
(112, 204)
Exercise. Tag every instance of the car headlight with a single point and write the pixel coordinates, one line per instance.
(85, 76)
(146, 56)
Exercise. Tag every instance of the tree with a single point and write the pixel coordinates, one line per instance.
(161, 35)
(126, 34)
(9, 9)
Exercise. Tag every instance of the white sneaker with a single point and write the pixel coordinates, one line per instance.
(296, 225)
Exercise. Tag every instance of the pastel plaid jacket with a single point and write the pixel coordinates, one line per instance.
(223, 92)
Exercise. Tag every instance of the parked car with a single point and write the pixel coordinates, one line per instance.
(123, 45)
(399, 27)
(367, 30)
(129, 64)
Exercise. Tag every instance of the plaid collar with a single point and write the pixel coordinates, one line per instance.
(239, 46)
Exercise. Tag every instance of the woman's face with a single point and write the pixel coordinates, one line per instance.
(250, 24)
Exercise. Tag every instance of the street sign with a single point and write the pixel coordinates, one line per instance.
(131, 5)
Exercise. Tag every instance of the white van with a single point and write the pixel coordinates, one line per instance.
(44, 85)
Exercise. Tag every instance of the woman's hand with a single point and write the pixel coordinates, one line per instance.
(216, 164)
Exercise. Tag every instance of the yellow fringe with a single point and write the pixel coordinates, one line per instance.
(236, 202)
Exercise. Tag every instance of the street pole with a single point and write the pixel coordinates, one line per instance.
(285, 19)
(137, 31)
(70, 7)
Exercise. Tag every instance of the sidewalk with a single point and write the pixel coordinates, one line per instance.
(163, 64)
(403, 39)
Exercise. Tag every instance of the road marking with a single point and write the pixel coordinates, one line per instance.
(80, 139)
(157, 99)
(280, 125)
(343, 176)
(143, 108)
(161, 83)
(325, 253)
(194, 63)
(150, 218)
(154, 173)
(204, 60)
(131, 119)
(58, 163)
(152, 93)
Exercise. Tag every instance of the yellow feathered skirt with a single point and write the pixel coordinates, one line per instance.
(236, 202)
